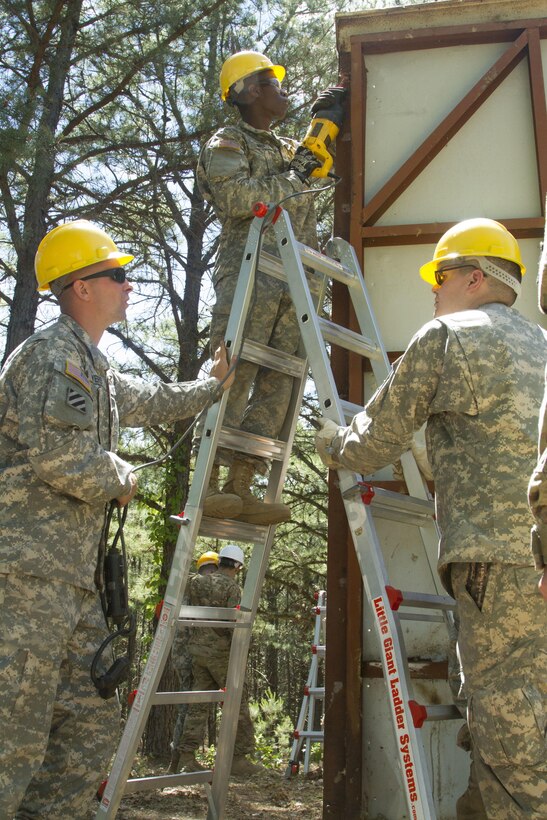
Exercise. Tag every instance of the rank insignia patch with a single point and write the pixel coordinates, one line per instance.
(76, 400)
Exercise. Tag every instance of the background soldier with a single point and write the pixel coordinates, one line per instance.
(240, 165)
(475, 375)
(181, 659)
(210, 651)
(60, 410)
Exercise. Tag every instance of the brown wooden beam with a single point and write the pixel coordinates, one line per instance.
(444, 132)
(537, 91)
(429, 233)
(417, 39)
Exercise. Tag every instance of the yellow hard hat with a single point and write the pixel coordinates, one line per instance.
(72, 246)
(207, 558)
(473, 238)
(242, 65)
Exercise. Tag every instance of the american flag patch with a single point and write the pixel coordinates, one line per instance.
(76, 400)
(76, 374)
(231, 145)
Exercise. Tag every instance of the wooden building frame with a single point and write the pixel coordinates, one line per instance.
(356, 220)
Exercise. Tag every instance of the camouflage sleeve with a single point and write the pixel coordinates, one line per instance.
(141, 404)
(542, 273)
(225, 176)
(383, 431)
(537, 494)
(57, 426)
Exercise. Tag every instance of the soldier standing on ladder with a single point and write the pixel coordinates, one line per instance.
(60, 410)
(475, 375)
(240, 165)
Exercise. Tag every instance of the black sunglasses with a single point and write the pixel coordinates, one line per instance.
(441, 275)
(270, 81)
(117, 274)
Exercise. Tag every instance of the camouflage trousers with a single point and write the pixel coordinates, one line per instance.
(259, 398)
(503, 652)
(209, 673)
(182, 664)
(58, 735)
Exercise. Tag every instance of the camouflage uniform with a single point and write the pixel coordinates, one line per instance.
(60, 411)
(537, 490)
(210, 651)
(475, 377)
(239, 166)
(182, 664)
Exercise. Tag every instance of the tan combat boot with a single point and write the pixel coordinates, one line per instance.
(254, 511)
(174, 763)
(219, 503)
(188, 763)
(243, 767)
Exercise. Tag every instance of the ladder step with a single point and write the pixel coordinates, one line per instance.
(350, 410)
(327, 266)
(162, 781)
(349, 340)
(394, 506)
(229, 529)
(314, 691)
(318, 650)
(420, 712)
(252, 445)
(308, 734)
(274, 359)
(207, 615)
(419, 600)
(197, 696)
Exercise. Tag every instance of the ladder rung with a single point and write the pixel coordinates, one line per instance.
(350, 409)
(432, 619)
(162, 781)
(325, 265)
(274, 359)
(420, 712)
(217, 613)
(197, 696)
(349, 340)
(394, 506)
(272, 266)
(297, 734)
(314, 691)
(318, 650)
(420, 600)
(252, 445)
(232, 530)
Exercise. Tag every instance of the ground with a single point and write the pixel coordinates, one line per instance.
(266, 795)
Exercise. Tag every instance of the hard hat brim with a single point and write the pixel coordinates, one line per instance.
(278, 70)
(123, 259)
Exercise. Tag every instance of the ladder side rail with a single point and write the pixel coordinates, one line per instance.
(180, 567)
(411, 753)
(418, 792)
(312, 684)
(251, 592)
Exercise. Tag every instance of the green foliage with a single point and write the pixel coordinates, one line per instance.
(273, 729)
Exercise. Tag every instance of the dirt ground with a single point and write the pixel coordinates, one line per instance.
(266, 795)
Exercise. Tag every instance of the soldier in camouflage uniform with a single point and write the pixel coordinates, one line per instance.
(61, 407)
(210, 651)
(537, 490)
(181, 659)
(474, 375)
(239, 166)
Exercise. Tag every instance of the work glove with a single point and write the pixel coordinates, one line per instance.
(323, 440)
(304, 163)
(330, 104)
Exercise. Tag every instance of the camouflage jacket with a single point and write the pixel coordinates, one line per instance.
(537, 490)
(475, 377)
(216, 589)
(60, 411)
(240, 166)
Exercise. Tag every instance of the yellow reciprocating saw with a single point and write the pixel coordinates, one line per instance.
(328, 115)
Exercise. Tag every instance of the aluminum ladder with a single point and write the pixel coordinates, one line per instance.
(193, 525)
(364, 503)
(304, 733)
